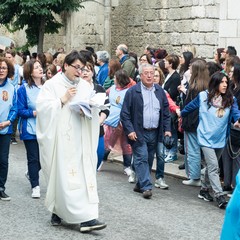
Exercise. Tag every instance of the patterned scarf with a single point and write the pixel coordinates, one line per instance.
(217, 103)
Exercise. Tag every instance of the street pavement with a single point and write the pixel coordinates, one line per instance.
(174, 214)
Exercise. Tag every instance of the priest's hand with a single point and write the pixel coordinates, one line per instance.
(70, 93)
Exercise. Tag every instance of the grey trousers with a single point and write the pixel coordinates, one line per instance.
(211, 176)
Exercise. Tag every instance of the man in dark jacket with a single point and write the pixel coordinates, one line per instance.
(127, 62)
(146, 119)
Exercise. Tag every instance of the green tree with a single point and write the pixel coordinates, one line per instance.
(37, 17)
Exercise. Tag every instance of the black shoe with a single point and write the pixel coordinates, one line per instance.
(182, 166)
(13, 141)
(181, 149)
(147, 194)
(227, 190)
(91, 226)
(55, 220)
(222, 203)
(205, 195)
(4, 196)
(137, 189)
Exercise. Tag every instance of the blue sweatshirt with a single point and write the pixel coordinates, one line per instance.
(212, 131)
(102, 74)
(116, 98)
(8, 105)
(27, 97)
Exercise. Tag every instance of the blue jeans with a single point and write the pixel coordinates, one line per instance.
(174, 149)
(4, 153)
(143, 156)
(127, 160)
(33, 161)
(192, 155)
(160, 160)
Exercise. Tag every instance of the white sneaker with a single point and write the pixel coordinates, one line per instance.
(160, 183)
(36, 192)
(192, 182)
(170, 158)
(127, 171)
(132, 177)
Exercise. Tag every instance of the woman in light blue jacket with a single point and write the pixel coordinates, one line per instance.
(27, 95)
(217, 108)
(8, 113)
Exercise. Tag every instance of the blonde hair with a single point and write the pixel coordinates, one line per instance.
(190, 48)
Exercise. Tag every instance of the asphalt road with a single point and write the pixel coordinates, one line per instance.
(174, 214)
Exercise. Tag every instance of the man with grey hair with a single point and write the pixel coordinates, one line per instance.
(102, 60)
(127, 62)
(146, 120)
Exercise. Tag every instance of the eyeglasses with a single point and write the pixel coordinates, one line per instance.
(78, 68)
(85, 70)
(148, 73)
(3, 68)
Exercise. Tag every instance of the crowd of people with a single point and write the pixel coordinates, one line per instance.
(152, 104)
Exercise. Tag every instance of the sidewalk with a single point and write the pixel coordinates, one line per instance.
(171, 169)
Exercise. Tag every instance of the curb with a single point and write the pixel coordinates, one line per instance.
(171, 169)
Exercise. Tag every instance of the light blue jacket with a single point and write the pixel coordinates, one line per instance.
(27, 97)
(231, 226)
(116, 98)
(8, 105)
(16, 77)
(212, 131)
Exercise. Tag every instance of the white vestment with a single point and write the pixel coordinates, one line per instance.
(68, 151)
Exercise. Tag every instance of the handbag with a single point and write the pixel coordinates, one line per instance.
(234, 140)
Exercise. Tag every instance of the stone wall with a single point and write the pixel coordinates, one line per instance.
(229, 25)
(171, 24)
(83, 28)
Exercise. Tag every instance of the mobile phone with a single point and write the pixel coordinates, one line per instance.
(239, 120)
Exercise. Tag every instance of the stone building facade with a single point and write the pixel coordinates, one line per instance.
(170, 24)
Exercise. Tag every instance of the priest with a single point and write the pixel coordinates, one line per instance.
(68, 147)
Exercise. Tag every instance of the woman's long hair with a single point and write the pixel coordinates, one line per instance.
(188, 56)
(200, 76)
(28, 70)
(236, 76)
(213, 89)
(113, 66)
